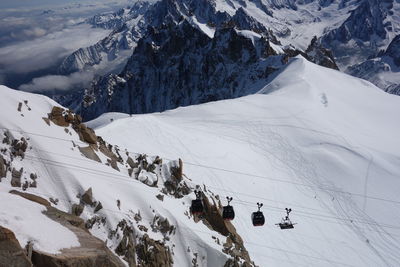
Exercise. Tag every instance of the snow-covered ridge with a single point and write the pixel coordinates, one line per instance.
(310, 140)
(121, 197)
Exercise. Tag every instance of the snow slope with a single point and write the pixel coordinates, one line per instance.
(63, 174)
(316, 140)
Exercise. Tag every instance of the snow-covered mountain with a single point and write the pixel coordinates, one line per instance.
(354, 31)
(192, 52)
(383, 70)
(363, 44)
(309, 140)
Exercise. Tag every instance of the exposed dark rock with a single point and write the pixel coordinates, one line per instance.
(33, 176)
(77, 209)
(31, 197)
(46, 120)
(131, 163)
(234, 244)
(320, 55)
(16, 177)
(175, 185)
(3, 167)
(89, 153)
(54, 200)
(126, 248)
(95, 220)
(169, 61)
(393, 50)
(18, 147)
(98, 207)
(87, 134)
(162, 225)
(57, 117)
(7, 138)
(153, 253)
(113, 164)
(87, 197)
(64, 217)
(11, 253)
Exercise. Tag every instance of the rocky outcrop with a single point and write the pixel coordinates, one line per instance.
(87, 197)
(31, 197)
(77, 209)
(127, 246)
(65, 118)
(89, 152)
(153, 253)
(175, 185)
(383, 69)
(92, 252)
(16, 177)
(11, 253)
(320, 55)
(3, 167)
(234, 245)
(18, 147)
(393, 50)
(178, 66)
(364, 22)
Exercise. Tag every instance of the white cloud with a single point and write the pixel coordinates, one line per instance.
(43, 52)
(58, 82)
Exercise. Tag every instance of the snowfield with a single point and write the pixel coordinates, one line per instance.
(315, 140)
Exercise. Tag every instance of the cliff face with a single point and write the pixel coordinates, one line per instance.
(180, 65)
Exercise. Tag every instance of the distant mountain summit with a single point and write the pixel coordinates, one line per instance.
(189, 53)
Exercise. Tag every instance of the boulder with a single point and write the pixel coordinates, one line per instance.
(126, 247)
(3, 167)
(16, 177)
(11, 253)
(87, 197)
(87, 134)
(57, 117)
(89, 153)
(31, 197)
(98, 207)
(19, 147)
(77, 209)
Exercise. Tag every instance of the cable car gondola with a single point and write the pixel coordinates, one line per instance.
(228, 213)
(197, 204)
(258, 217)
(286, 223)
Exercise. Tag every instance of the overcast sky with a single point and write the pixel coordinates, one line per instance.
(40, 3)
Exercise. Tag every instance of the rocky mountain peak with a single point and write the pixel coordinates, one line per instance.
(364, 21)
(393, 50)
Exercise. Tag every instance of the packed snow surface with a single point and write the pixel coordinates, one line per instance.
(315, 140)
(30, 225)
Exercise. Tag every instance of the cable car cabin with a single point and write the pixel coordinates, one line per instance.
(228, 213)
(258, 218)
(197, 206)
(286, 225)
